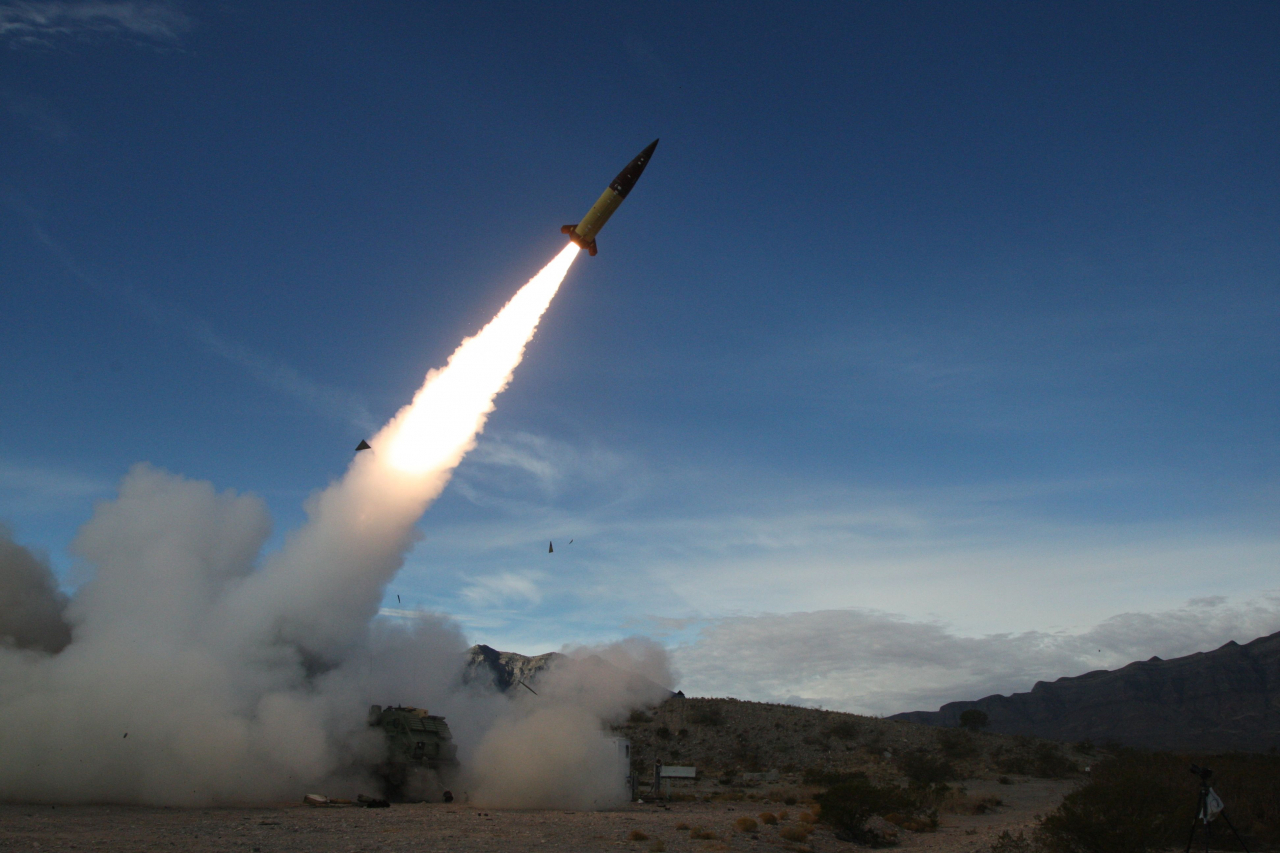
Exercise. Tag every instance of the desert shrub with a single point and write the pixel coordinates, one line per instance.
(973, 719)
(1006, 843)
(848, 806)
(637, 835)
(1050, 763)
(768, 818)
(807, 817)
(1085, 747)
(957, 743)
(1004, 780)
(700, 834)
(1127, 808)
(845, 730)
(706, 715)
(818, 776)
(789, 801)
(639, 716)
(663, 732)
(682, 827)
(923, 768)
(658, 846)
(915, 823)
(820, 741)
(746, 824)
(795, 833)
(1140, 801)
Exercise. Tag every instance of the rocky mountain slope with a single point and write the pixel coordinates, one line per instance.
(505, 669)
(1224, 700)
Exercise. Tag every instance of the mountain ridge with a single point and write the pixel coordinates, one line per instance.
(1227, 699)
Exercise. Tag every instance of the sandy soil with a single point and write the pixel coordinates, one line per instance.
(456, 827)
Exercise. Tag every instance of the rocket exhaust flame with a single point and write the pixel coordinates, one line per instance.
(450, 409)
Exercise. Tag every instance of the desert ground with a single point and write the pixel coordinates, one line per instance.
(458, 827)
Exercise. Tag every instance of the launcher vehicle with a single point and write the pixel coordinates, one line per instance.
(421, 760)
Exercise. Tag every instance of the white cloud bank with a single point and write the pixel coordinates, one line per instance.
(879, 663)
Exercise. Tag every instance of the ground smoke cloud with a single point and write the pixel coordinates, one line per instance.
(198, 672)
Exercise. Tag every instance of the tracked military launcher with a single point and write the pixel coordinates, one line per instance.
(421, 758)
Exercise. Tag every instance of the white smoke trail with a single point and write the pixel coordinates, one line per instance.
(194, 676)
(321, 591)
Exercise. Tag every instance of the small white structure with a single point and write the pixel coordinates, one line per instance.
(622, 748)
(665, 774)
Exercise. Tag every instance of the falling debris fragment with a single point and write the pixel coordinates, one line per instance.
(527, 687)
(126, 734)
(551, 548)
(363, 445)
(397, 599)
(570, 541)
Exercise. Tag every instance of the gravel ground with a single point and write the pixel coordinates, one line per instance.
(460, 828)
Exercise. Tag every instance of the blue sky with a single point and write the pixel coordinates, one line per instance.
(944, 317)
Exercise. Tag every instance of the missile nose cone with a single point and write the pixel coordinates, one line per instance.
(627, 177)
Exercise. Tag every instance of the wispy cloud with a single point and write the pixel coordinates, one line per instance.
(41, 21)
(880, 663)
(327, 400)
(504, 588)
(28, 487)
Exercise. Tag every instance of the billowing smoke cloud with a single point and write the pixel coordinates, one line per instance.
(198, 671)
(536, 754)
(31, 606)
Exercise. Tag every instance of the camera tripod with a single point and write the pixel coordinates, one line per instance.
(1207, 798)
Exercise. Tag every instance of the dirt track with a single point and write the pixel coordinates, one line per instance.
(455, 827)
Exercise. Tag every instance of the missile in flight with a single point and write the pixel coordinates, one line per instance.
(584, 233)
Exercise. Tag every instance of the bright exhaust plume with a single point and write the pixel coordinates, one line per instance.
(450, 409)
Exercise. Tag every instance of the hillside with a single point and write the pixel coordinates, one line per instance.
(755, 743)
(1224, 700)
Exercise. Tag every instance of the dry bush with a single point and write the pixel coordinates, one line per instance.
(795, 833)
(922, 768)
(807, 817)
(958, 802)
(957, 744)
(637, 835)
(819, 776)
(848, 806)
(706, 715)
(1006, 843)
(1141, 801)
(700, 834)
(784, 814)
(658, 846)
(915, 823)
(845, 730)
(682, 827)
(746, 824)
(768, 818)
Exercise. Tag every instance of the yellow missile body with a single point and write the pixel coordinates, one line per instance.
(584, 233)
